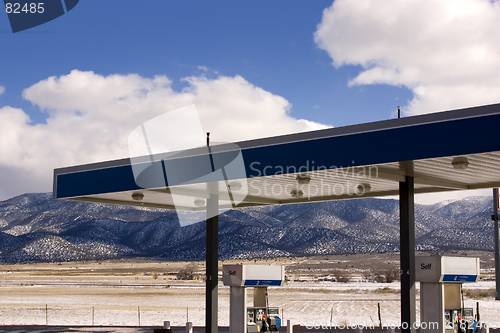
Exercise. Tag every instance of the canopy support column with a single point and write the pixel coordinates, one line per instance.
(407, 254)
(212, 258)
(497, 243)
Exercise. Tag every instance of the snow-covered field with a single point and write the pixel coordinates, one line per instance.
(116, 301)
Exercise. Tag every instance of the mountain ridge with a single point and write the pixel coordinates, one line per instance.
(36, 228)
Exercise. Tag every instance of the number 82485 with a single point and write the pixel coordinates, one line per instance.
(32, 8)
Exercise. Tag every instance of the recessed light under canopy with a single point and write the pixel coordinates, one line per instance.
(460, 163)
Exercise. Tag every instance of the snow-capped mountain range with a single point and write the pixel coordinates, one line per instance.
(34, 227)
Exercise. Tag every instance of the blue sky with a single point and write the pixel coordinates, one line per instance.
(269, 43)
(87, 78)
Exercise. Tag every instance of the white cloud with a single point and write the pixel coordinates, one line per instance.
(2, 90)
(91, 116)
(445, 51)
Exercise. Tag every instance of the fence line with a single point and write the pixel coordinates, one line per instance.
(97, 315)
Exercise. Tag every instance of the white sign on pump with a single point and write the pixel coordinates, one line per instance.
(253, 275)
(446, 269)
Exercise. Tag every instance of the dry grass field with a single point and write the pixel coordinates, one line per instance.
(147, 292)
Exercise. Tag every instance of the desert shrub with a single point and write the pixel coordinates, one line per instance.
(187, 272)
(479, 293)
(392, 273)
(368, 274)
(387, 290)
(341, 275)
(387, 274)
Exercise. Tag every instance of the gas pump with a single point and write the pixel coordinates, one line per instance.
(263, 319)
(260, 317)
(457, 318)
(441, 280)
(460, 320)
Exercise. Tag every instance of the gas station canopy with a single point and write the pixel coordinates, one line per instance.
(453, 150)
